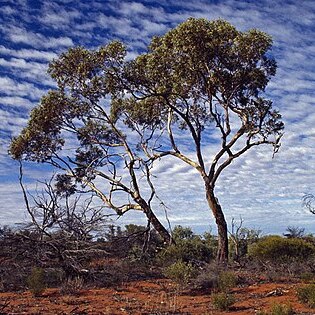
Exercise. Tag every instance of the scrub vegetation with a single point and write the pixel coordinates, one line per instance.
(135, 259)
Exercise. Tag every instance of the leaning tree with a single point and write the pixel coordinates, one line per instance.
(73, 130)
(208, 79)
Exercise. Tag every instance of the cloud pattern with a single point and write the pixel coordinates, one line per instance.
(265, 192)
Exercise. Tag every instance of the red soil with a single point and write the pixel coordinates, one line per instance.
(154, 297)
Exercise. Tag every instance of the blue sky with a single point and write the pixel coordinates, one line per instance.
(265, 192)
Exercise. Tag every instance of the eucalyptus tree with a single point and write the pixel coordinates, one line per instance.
(73, 130)
(208, 79)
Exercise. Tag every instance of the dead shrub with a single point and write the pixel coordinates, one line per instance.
(72, 286)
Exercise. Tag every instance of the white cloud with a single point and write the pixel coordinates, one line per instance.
(15, 101)
(11, 122)
(58, 16)
(153, 28)
(28, 70)
(28, 54)
(7, 10)
(132, 8)
(118, 26)
(37, 40)
(12, 88)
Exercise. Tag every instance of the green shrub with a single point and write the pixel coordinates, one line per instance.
(307, 276)
(180, 272)
(226, 281)
(281, 309)
(35, 281)
(279, 249)
(278, 309)
(182, 233)
(222, 301)
(188, 247)
(307, 295)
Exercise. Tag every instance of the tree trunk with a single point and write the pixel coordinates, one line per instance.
(158, 226)
(223, 249)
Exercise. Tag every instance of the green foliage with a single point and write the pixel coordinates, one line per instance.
(278, 249)
(188, 247)
(180, 272)
(199, 57)
(307, 295)
(278, 309)
(222, 301)
(182, 233)
(36, 281)
(307, 276)
(81, 76)
(202, 73)
(226, 281)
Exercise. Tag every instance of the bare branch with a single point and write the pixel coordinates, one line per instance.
(169, 129)
(308, 202)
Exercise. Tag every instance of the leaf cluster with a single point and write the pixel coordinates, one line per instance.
(200, 62)
(277, 248)
(306, 295)
(84, 77)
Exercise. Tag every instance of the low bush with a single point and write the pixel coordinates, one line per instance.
(278, 309)
(307, 276)
(222, 301)
(188, 247)
(13, 278)
(226, 281)
(135, 241)
(278, 249)
(35, 281)
(180, 272)
(307, 295)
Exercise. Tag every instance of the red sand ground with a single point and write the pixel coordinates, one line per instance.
(154, 297)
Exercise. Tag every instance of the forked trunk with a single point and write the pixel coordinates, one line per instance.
(223, 251)
(158, 226)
